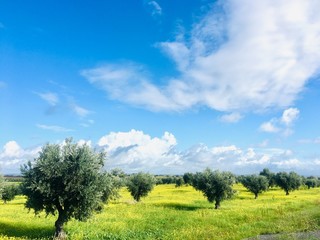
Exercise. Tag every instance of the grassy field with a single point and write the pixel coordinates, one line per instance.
(176, 213)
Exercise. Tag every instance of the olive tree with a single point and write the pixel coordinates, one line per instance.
(140, 184)
(179, 182)
(66, 179)
(311, 182)
(216, 186)
(187, 178)
(255, 184)
(288, 182)
(269, 175)
(9, 192)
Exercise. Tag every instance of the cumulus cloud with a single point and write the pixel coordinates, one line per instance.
(13, 155)
(135, 151)
(283, 124)
(82, 142)
(242, 55)
(289, 116)
(54, 128)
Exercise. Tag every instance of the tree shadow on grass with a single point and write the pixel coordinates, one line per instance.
(25, 231)
(180, 206)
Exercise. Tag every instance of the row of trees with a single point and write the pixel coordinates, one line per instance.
(69, 180)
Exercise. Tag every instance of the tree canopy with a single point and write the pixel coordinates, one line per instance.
(140, 184)
(9, 192)
(288, 182)
(269, 175)
(215, 185)
(187, 178)
(66, 179)
(255, 184)
(312, 182)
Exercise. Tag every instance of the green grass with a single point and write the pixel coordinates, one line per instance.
(176, 213)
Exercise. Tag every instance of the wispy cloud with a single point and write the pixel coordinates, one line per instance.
(129, 82)
(240, 56)
(49, 97)
(310, 141)
(87, 123)
(80, 111)
(67, 102)
(231, 118)
(54, 128)
(154, 8)
(269, 126)
(283, 124)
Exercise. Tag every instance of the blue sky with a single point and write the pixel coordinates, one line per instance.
(163, 86)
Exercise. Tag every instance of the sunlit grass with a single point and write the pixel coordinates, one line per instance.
(177, 213)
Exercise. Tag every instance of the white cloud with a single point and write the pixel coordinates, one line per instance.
(283, 124)
(264, 143)
(269, 127)
(231, 118)
(88, 123)
(289, 116)
(80, 111)
(12, 156)
(155, 8)
(82, 142)
(54, 128)
(50, 98)
(11, 149)
(243, 55)
(310, 141)
(135, 151)
(129, 82)
(291, 163)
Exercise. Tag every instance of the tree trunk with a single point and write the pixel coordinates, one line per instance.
(255, 196)
(287, 192)
(217, 205)
(62, 219)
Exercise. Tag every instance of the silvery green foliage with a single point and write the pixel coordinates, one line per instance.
(140, 184)
(255, 183)
(216, 186)
(288, 181)
(66, 180)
